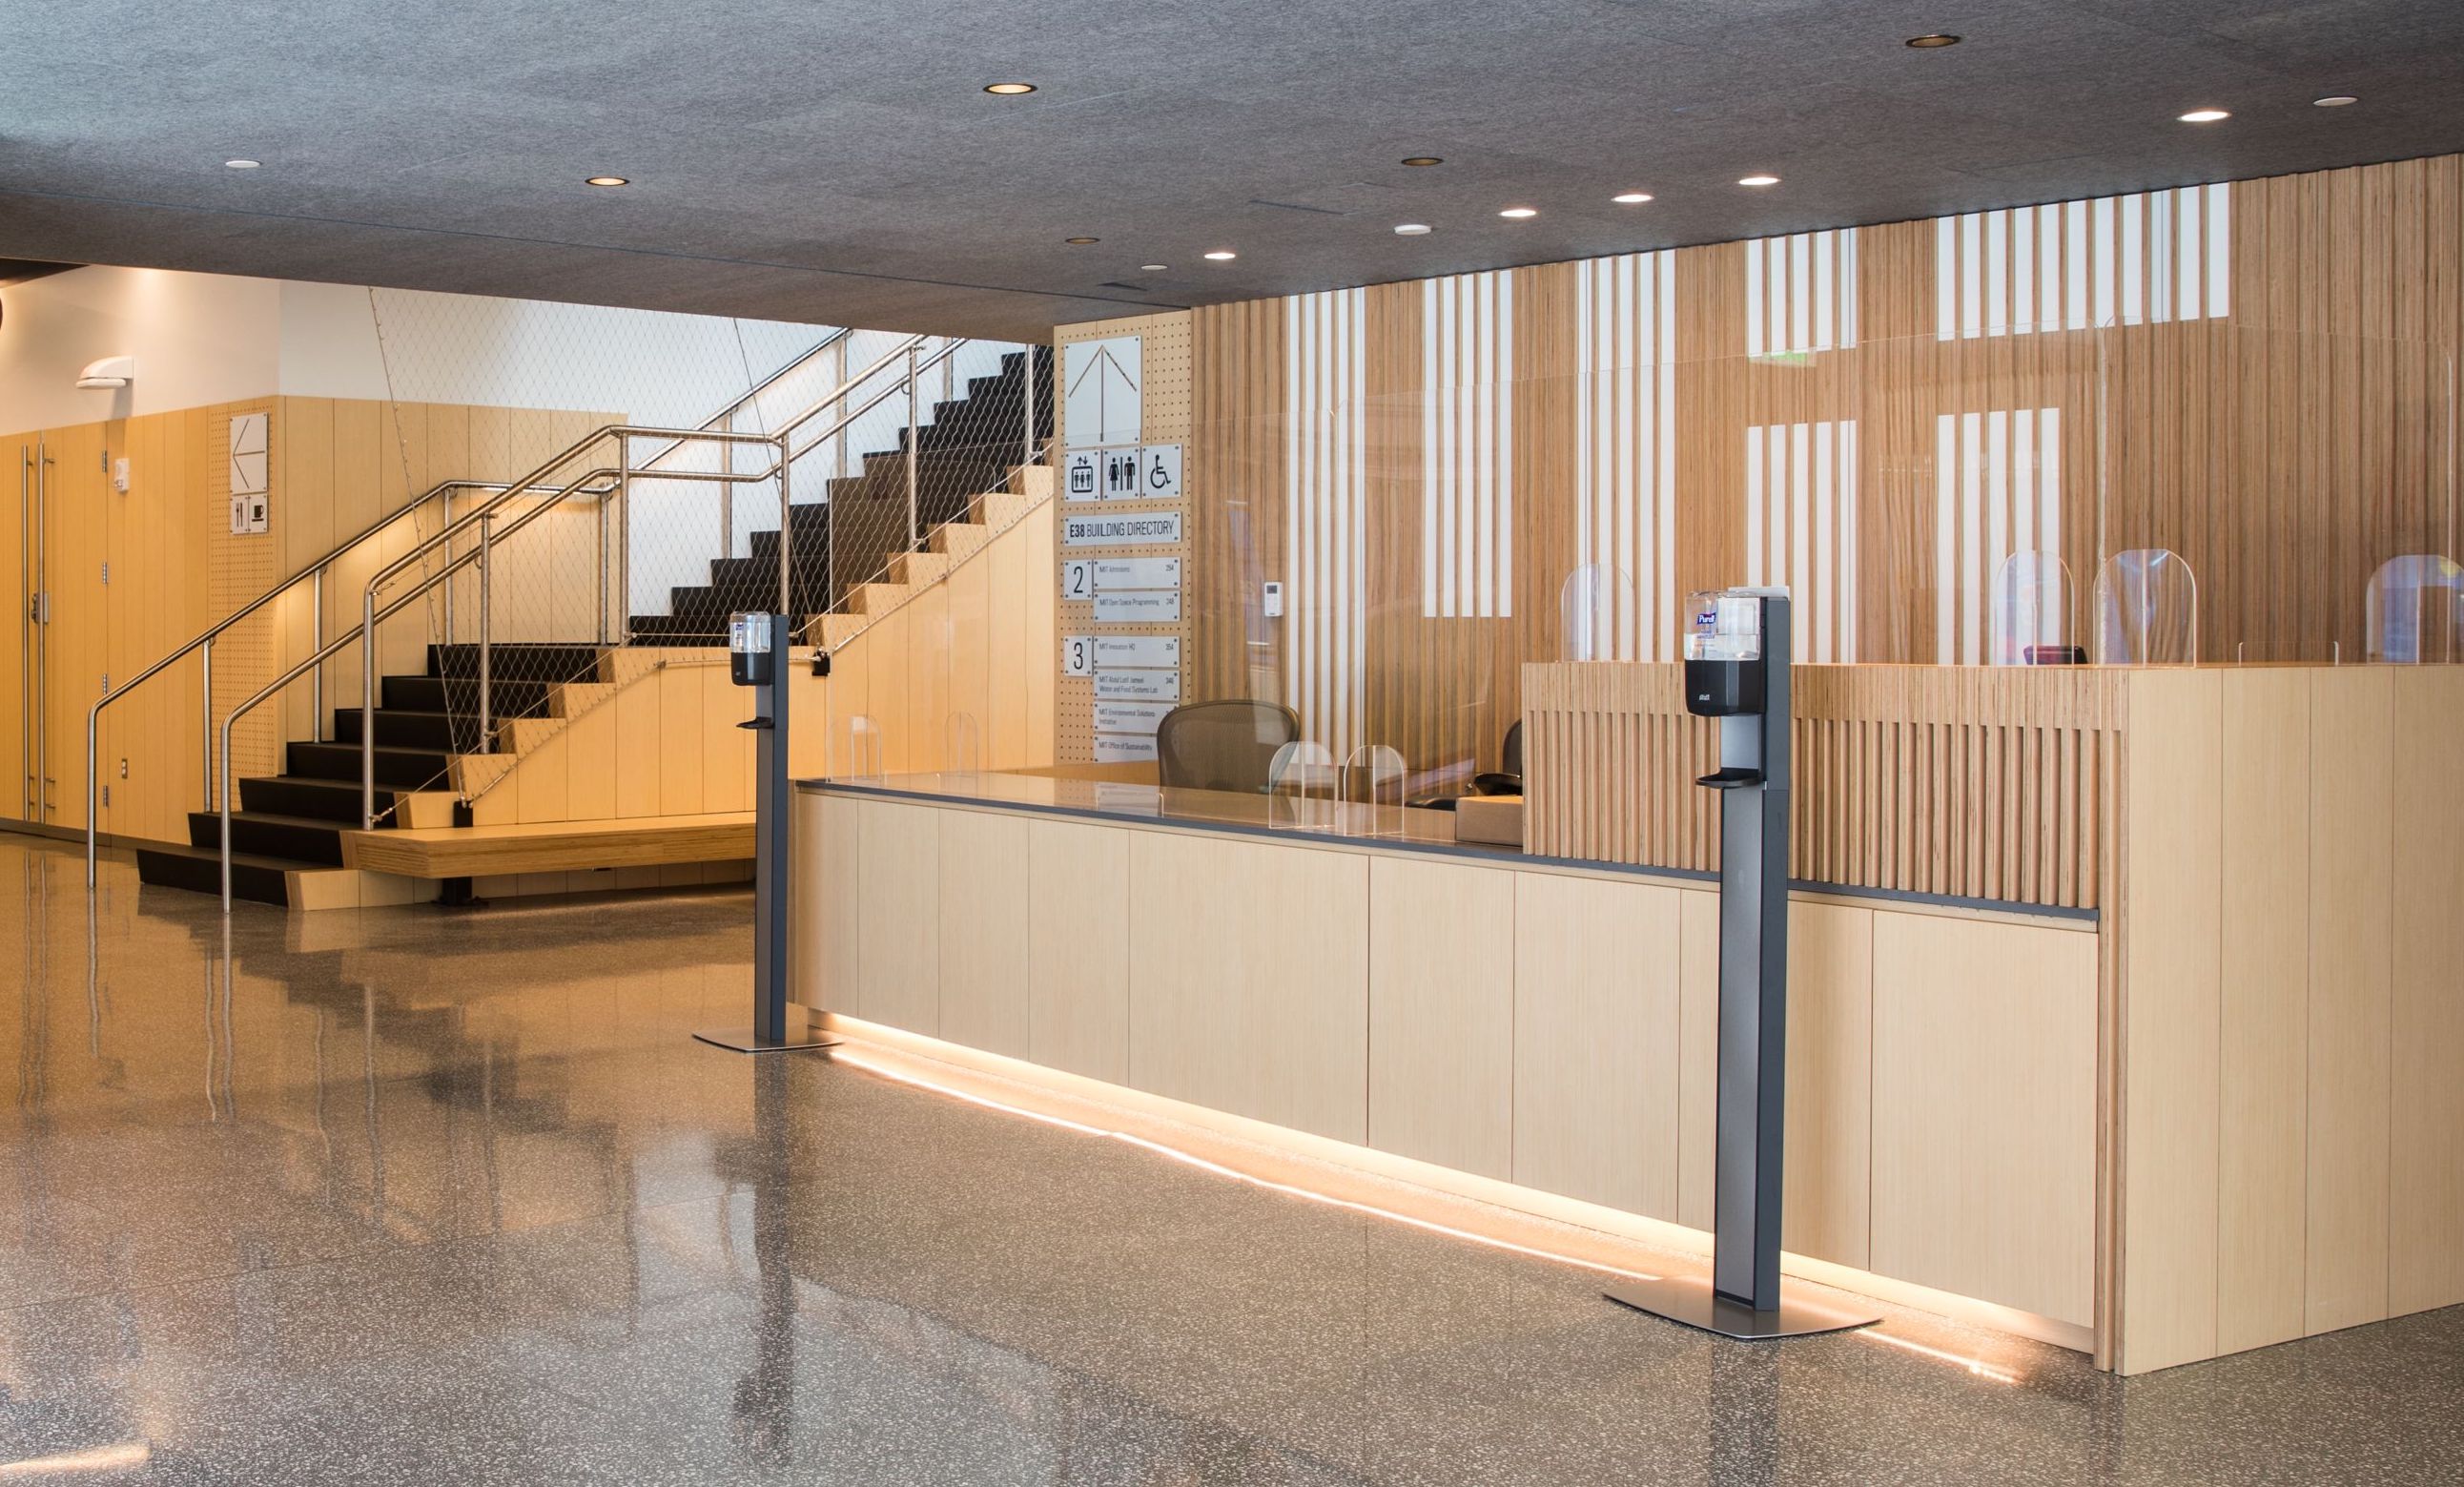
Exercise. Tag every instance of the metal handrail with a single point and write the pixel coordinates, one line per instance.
(453, 564)
(315, 573)
(370, 617)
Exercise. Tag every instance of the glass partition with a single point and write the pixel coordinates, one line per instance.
(2416, 610)
(2146, 610)
(2032, 612)
(1352, 583)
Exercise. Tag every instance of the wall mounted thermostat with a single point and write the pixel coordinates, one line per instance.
(1271, 599)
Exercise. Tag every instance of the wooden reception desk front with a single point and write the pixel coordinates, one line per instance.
(2124, 1006)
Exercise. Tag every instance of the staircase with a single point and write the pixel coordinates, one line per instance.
(954, 465)
(288, 827)
(293, 823)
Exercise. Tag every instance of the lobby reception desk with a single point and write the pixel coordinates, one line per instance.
(2123, 1006)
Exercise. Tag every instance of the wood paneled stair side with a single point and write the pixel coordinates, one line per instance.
(947, 549)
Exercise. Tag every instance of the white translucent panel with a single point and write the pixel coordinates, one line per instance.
(856, 754)
(2415, 609)
(2032, 612)
(1301, 787)
(1596, 606)
(2146, 610)
(1373, 786)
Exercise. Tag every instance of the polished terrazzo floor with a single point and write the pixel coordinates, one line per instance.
(407, 1196)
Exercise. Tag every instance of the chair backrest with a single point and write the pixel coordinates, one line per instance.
(1228, 744)
(1511, 762)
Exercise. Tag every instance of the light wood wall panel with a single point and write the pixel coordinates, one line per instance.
(1597, 1041)
(2260, 378)
(2352, 725)
(2263, 979)
(1548, 1025)
(1984, 1088)
(1962, 782)
(1441, 1015)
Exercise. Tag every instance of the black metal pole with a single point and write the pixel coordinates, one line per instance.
(772, 796)
(1742, 1298)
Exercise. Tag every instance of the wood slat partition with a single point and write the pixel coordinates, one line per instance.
(1990, 783)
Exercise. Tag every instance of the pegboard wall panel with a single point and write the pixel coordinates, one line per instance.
(1164, 419)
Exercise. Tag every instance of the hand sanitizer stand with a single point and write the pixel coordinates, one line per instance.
(757, 646)
(1737, 670)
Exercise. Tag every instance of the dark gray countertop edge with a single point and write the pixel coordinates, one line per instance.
(1488, 856)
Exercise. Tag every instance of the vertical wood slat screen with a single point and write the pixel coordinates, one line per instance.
(1971, 783)
(2284, 449)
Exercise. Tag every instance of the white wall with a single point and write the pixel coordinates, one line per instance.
(198, 339)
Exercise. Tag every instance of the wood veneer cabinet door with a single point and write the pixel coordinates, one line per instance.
(1443, 1033)
(1597, 1041)
(1985, 1111)
(1078, 948)
(1251, 986)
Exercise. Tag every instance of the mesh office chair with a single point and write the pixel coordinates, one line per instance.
(1227, 744)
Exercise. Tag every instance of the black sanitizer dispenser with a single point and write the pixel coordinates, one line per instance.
(1737, 670)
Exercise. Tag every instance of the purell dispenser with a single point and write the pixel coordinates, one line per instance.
(1736, 670)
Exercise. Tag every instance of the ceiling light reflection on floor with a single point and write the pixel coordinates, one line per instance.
(1411, 229)
(2204, 116)
(2334, 100)
(1757, 180)
(1221, 255)
(127, 1456)
(1631, 198)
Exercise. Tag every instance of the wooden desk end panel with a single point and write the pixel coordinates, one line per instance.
(2426, 1180)
(2352, 823)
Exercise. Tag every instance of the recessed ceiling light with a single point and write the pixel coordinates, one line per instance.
(1221, 255)
(1080, 242)
(1152, 268)
(1631, 198)
(1757, 180)
(1411, 229)
(2335, 100)
(1009, 89)
(1519, 212)
(1932, 39)
(241, 164)
(1423, 160)
(2204, 116)
(607, 180)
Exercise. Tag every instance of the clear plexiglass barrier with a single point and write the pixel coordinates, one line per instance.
(2032, 612)
(858, 755)
(2416, 610)
(1595, 607)
(1301, 787)
(2146, 610)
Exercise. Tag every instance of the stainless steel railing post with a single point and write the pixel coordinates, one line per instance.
(369, 708)
(316, 642)
(486, 523)
(206, 689)
(446, 525)
(786, 545)
(1026, 383)
(915, 422)
(623, 630)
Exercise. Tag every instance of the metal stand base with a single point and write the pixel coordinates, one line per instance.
(744, 1040)
(1691, 1302)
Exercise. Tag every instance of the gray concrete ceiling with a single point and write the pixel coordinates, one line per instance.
(836, 159)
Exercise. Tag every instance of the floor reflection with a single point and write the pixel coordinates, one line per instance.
(413, 1196)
